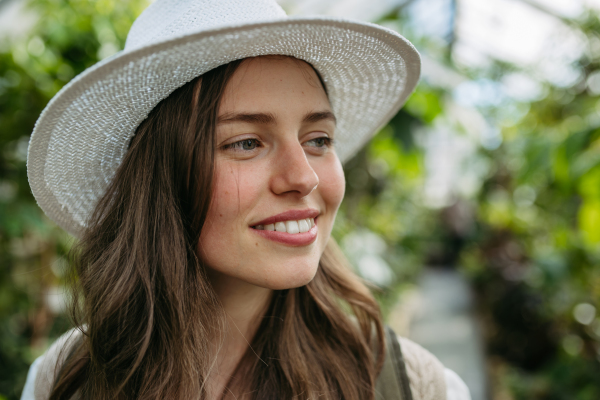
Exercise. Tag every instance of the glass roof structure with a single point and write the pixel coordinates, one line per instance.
(534, 35)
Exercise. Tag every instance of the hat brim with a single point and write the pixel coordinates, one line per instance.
(83, 134)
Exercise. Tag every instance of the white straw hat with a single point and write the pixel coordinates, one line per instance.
(83, 133)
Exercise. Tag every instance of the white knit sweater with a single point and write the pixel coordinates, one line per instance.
(429, 380)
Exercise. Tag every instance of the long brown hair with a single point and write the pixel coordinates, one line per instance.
(147, 309)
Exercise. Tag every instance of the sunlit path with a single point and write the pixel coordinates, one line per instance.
(442, 320)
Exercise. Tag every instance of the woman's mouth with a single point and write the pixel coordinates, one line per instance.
(300, 232)
(293, 227)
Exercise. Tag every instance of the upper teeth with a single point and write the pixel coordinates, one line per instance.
(299, 226)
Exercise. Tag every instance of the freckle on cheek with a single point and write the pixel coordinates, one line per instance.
(220, 215)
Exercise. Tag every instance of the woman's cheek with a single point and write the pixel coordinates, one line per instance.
(332, 182)
(237, 187)
(224, 220)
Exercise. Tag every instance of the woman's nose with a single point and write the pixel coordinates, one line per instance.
(292, 172)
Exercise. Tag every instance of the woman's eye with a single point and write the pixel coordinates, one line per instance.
(248, 144)
(245, 145)
(320, 142)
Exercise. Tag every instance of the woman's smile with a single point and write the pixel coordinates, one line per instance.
(278, 181)
(294, 227)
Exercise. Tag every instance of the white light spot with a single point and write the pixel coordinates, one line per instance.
(584, 313)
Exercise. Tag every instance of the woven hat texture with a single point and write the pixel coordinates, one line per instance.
(83, 133)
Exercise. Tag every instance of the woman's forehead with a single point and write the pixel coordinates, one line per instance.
(274, 73)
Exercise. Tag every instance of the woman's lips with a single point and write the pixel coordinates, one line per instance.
(291, 215)
(291, 239)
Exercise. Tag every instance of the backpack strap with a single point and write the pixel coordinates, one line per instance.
(392, 383)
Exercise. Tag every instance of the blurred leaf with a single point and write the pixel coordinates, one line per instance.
(589, 221)
(425, 104)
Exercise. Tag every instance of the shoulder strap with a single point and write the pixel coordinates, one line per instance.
(393, 383)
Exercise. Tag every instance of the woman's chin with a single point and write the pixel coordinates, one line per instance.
(289, 278)
(277, 276)
(292, 283)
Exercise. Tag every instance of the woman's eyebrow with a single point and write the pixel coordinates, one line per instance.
(313, 117)
(268, 118)
(252, 118)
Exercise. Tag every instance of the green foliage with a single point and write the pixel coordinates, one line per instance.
(68, 37)
(535, 258)
(533, 252)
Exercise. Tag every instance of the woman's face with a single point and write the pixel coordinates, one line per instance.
(278, 181)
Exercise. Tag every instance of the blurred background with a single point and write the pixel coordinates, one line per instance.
(476, 211)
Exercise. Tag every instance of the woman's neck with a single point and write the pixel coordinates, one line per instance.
(244, 306)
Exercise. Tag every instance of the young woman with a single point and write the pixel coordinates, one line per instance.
(201, 170)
